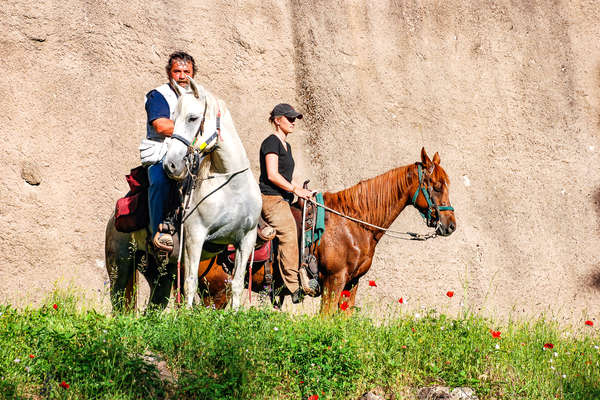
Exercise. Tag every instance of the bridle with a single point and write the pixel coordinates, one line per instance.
(431, 206)
(192, 146)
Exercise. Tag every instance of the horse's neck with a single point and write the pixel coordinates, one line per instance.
(230, 155)
(381, 199)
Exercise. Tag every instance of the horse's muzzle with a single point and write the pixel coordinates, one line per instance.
(171, 171)
(446, 229)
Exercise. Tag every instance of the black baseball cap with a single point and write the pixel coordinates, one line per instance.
(286, 110)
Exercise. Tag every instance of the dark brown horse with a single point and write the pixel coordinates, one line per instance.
(346, 249)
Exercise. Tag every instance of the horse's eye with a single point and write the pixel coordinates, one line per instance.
(438, 186)
(192, 119)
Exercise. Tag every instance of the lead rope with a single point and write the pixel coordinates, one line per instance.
(390, 232)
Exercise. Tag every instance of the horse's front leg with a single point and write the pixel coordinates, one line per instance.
(194, 240)
(242, 254)
(332, 290)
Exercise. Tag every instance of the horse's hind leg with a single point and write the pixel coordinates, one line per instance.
(242, 254)
(160, 279)
(119, 265)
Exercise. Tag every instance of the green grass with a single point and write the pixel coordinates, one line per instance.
(260, 354)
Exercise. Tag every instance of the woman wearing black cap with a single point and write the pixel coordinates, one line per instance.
(278, 189)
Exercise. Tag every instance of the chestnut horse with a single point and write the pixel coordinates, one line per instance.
(346, 249)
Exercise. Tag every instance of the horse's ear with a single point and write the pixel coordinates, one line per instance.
(425, 160)
(436, 158)
(178, 89)
(196, 89)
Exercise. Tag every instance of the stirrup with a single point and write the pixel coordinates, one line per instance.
(309, 286)
(163, 242)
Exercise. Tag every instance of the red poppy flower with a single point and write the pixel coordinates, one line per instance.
(548, 346)
(372, 283)
(450, 293)
(344, 306)
(589, 323)
(495, 334)
(64, 385)
(31, 356)
(301, 381)
(345, 293)
(403, 346)
(401, 300)
(313, 397)
(55, 306)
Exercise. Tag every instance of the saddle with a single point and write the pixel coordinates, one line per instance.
(131, 211)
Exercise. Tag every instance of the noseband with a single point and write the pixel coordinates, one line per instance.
(431, 206)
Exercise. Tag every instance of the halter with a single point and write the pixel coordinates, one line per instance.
(192, 145)
(431, 205)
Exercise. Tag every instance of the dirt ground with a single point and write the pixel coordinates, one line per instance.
(508, 93)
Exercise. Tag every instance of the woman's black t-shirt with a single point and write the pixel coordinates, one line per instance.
(272, 144)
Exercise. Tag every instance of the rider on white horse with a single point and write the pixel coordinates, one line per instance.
(160, 109)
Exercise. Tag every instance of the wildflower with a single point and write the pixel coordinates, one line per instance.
(345, 293)
(401, 300)
(31, 356)
(589, 323)
(344, 306)
(17, 360)
(64, 385)
(548, 346)
(552, 367)
(55, 306)
(555, 354)
(449, 293)
(372, 283)
(403, 346)
(301, 381)
(28, 369)
(596, 347)
(564, 376)
(276, 329)
(495, 334)
(497, 346)
(313, 397)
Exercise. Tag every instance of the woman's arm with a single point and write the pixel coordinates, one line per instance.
(272, 164)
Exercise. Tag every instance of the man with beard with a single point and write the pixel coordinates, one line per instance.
(160, 109)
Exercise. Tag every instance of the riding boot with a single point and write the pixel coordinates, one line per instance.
(297, 296)
(310, 286)
(163, 240)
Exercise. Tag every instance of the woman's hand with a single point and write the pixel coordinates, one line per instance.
(302, 193)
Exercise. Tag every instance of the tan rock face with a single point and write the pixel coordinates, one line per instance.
(508, 94)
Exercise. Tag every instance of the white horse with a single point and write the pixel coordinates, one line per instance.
(225, 206)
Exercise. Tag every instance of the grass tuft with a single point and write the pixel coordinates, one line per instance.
(260, 354)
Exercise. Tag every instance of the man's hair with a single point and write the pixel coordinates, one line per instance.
(180, 56)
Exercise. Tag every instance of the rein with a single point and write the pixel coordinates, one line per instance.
(389, 232)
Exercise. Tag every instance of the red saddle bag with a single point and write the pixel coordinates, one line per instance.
(131, 211)
(261, 254)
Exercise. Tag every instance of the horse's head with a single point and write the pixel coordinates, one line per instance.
(432, 195)
(190, 133)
